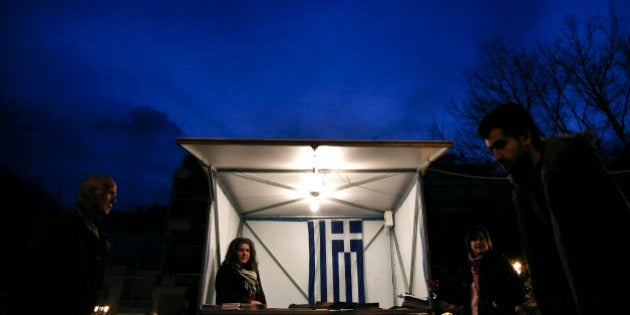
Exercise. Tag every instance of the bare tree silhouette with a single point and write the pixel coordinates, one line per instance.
(578, 82)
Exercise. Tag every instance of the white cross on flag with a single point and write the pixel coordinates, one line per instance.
(336, 261)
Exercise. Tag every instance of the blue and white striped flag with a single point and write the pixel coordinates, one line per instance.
(336, 261)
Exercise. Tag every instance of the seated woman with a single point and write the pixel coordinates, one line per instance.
(237, 279)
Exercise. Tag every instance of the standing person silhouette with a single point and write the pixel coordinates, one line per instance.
(572, 215)
(66, 261)
(485, 283)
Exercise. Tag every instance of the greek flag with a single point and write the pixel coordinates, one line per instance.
(336, 261)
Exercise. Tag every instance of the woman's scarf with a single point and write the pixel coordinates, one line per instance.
(250, 277)
(475, 262)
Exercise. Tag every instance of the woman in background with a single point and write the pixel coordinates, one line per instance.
(237, 279)
(486, 283)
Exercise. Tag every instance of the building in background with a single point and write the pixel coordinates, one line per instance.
(133, 269)
(177, 291)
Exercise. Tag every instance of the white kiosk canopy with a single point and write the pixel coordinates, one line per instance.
(266, 189)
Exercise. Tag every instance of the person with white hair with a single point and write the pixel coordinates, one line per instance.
(66, 261)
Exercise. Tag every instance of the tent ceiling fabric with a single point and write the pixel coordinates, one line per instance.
(281, 178)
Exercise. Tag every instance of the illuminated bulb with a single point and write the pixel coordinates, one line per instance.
(517, 266)
(315, 184)
(314, 201)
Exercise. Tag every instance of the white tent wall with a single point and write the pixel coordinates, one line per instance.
(229, 222)
(283, 254)
(223, 226)
(409, 234)
(378, 271)
(286, 242)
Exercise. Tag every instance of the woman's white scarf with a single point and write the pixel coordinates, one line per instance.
(250, 277)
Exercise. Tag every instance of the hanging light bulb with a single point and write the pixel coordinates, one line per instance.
(315, 190)
(315, 184)
(314, 201)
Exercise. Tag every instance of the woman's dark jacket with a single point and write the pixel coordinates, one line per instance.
(230, 287)
(498, 281)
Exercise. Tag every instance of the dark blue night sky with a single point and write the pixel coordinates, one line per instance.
(107, 86)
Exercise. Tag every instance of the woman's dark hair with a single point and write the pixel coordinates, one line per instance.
(477, 232)
(514, 120)
(231, 257)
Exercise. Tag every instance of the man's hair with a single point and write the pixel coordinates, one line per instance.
(513, 120)
(92, 183)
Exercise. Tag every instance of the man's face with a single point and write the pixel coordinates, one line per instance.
(507, 150)
(104, 198)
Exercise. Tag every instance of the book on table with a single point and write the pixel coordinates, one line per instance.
(242, 306)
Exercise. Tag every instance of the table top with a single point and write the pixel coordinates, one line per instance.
(213, 309)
